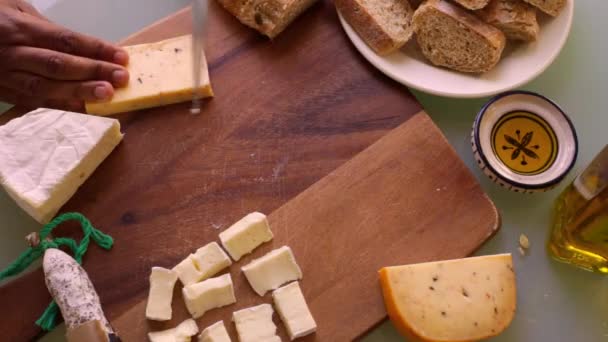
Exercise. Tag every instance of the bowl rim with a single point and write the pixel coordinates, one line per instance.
(375, 59)
(476, 137)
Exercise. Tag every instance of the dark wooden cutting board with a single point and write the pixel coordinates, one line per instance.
(286, 114)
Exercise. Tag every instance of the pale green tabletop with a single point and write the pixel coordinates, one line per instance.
(556, 302)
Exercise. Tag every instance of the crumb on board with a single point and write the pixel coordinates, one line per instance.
(524, 242)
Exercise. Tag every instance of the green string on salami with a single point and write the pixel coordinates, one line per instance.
(43, 242)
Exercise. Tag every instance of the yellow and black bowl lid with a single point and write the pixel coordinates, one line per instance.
(524, 141)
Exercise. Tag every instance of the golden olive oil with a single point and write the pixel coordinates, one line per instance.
(580, 229)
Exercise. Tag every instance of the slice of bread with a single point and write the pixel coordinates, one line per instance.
(515, 18)
(451, 37)
(269, 17)
(473, 4)
(551, 7)
(385, 25)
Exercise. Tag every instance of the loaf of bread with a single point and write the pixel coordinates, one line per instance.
(385, 25)
(551, 7)
(473, 4)
(451, 37)
(269, 17)
(515, 18)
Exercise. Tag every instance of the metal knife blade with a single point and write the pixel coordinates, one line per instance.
(199, 17)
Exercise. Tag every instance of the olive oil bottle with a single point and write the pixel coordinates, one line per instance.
(580, 230)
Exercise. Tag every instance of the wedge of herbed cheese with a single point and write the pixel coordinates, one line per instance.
(272, 270)
(246, 235)
(215, 333)
(209, 294)
(162, 281)
(457, 300)
(160, 74)
(182, 333)
(293, 310)
(47, 154)
(255, 324)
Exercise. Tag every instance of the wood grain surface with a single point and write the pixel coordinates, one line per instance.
(389, 205)
(286, 113)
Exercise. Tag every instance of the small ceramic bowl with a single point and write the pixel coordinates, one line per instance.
(524, 142)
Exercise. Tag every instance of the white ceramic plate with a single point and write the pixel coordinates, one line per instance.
(520, 63)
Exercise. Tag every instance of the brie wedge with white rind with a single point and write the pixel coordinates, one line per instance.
(255, 324)
(293, 310)
(215, 333)
(246, 235)
(45, 155)
(162, 282)
(272, 270)
(209, 294)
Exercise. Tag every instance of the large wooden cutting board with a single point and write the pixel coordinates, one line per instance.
(286, 114)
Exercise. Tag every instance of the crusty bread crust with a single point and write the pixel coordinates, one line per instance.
(515, 18)
(551, 7)
(485, 33)
(269, 17)
(371, 31)
(473, 4)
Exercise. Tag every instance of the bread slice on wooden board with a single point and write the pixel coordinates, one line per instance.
(473, 4)
(451, 37)
(269, 17)
(551, 7)
(385, 25)
(515, 18)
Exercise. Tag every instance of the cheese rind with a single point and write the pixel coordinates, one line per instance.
(255, 324)
(209, 294)
(457, 300)
(215, 333)
(162, 282)
(160, 74)
(246, 235)
(293, 310)
(187, 271)
(272, 270)
(46, 155)
(210, 260)
(182, 333)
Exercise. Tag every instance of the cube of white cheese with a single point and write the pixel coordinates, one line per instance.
(215, 333)
(45, 155)
(187, 271)
(209, 294)
(160, 74)
(255, 324)
(210, 260)
(182, 333)
(272, 270)
(293, 310)
(160, 297)
(246, 235)
(467, 299)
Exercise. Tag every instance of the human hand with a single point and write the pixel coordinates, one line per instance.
(45, 65)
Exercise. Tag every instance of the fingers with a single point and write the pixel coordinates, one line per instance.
(47, 35)
(16, 98)
(25, 7)
(34, 86)
(61, 66)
